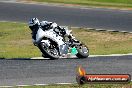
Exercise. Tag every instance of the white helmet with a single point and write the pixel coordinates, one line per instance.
(33, 21)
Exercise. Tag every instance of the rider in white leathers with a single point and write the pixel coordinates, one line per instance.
(34, 25)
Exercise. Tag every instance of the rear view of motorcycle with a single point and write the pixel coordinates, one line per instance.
(54, 46)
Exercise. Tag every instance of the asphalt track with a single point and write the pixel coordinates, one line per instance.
(100, 18)
(28, 72)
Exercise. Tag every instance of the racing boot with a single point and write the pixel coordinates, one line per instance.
(72, 39)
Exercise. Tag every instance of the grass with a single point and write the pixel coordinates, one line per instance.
(16, 42)
(106, 3)
(105, 42)
(84, 86)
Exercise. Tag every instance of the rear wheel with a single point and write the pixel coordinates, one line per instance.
(49, 51)
(83, 51)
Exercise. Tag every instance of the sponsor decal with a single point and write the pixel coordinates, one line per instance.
(82, 77)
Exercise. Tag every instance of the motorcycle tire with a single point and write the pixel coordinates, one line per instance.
(83, 51)
(46, 53)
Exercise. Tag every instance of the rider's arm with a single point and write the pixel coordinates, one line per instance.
(62, 30)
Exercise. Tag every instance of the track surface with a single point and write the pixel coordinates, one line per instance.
(29, 72)
(26, 71)
(90, 17)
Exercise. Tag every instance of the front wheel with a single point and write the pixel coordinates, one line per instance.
(49, 52)
(83, 51)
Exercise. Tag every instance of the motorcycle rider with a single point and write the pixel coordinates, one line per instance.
(34, 25)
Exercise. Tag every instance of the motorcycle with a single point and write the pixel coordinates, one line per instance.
(54, 46)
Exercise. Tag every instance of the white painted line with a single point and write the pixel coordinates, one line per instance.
(12, 21)
(112, 30)
(91, 28)
(42, 58)
(52, 84)
(41, 84)
(100, 29)
(64, 83)
(76, 27)
(124, 31)
(110, 55)
(6, 86)
(73, 56)
(22, 85)
(35, 58)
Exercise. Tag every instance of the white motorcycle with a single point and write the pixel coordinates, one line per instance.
(54, 46)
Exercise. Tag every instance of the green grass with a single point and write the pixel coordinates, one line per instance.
(105, 42)
(84, 86)
(110, 3)
(16, 42)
